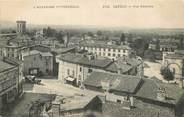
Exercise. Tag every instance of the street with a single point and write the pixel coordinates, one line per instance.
(54, 86)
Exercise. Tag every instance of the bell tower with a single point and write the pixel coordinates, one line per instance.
(21, 27)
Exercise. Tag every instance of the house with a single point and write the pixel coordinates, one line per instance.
(127, 65)
(74, 106)
(117, 87)
(3, 43)
(31, 105)
(168, 47)
(37, 63)
(105, 50)
(130, 93)
(15, 51)
(10, 83)
(75, 67)
(21, 40)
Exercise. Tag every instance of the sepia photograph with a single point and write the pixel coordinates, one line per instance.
(91, 58)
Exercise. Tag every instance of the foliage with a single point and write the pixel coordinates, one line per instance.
(99, 33)
(167, 73)
(49, 32)
(122, 38)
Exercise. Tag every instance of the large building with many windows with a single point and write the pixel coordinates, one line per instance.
(105, 50)
(75, 67)
(10, 81)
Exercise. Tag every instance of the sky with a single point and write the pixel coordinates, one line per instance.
(161, 14)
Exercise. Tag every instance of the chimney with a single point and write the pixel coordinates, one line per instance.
(90, 56)
(119, 71)
(105, 85)
(131, 101)
(161, 94)
(129, 104)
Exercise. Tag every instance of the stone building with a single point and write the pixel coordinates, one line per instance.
(14, 51)
(75, 67)
(105, 50)
(21, 27)
(10, 82)
(175, 62)
(37, 63)
(131, 95)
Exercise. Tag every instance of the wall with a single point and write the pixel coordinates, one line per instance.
(114, 53)
(175, 65)
(38, 61)
(9, 85)
(77, 71)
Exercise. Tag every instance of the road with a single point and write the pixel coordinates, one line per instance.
(54, 86)
(153, 70)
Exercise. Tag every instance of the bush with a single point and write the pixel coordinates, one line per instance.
(167, 73)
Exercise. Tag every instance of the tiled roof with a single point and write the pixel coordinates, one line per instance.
(124, 64)
(114, 67)
(32, 46)
(3, 42)
(84, 60)
(150, 87)
(122, 83)
(5, 66)
(141, 110)
(34, 52)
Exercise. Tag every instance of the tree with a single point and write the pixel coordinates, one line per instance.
(181, 41)
(167, 73)
(99, 33)
(49, 32)
(59, 36)
(122, 38)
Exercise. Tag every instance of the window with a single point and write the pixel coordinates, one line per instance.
(68, 71)
(109, 54)
(73, 73)
(119, 50)
(99, 53)
(119, 55)
(124, 51)
(80, 69)
(79, 77)
(109, 49)
(114, 55)
(46, 63)
(90, 70)
(114, 50)
(118, 101)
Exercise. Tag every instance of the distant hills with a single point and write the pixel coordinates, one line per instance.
(12, 25)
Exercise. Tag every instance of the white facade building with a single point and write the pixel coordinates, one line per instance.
(109, 51)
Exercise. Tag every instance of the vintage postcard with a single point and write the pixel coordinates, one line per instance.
(91, 58)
